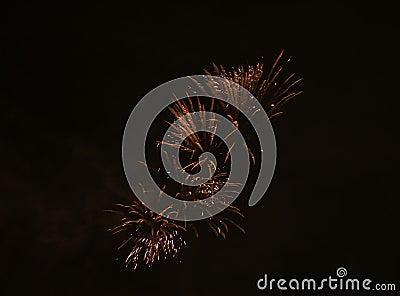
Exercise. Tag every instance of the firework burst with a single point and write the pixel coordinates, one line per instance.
(195, 144)
(273, 88)
(152, 237)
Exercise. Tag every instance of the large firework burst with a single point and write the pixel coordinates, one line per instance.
(150, 236)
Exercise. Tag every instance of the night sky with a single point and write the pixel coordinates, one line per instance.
(73, 73)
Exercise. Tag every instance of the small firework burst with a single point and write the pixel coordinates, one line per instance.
(151, 237)
(273, 89)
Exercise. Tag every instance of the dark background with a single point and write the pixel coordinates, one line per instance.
(73, 73)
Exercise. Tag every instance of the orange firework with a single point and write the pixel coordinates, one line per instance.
(150, 236)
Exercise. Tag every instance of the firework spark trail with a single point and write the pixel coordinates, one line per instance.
(152, 237)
